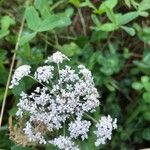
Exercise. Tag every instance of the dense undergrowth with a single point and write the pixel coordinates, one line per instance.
(110, 37)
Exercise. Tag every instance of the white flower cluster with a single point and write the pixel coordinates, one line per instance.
(19, 73)
(33, 136)
(57, 57)
(79, 128)
(61, 93)
(44, 74)
(104, 129)
(65, 143)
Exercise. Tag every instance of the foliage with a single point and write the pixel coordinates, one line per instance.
(110, 37)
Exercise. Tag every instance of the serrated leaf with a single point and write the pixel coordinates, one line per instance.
(129, 30)
(32, 17)
(26, 38)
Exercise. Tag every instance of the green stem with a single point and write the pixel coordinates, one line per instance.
(90, 117)
(10, 71)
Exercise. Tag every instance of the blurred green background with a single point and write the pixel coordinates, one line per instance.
(110, 37)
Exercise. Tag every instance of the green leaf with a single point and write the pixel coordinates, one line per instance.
(129, 30)
(126, 18)
(146, 97)
(107, 4)
(111, 15)
(107, 27)
(71, 49)
(54, 21)
(43, 7)
(75, 2)
(147, 86)
(144, 5)
(147, 116)
(144, 79)
(5, 23)
(143, 13)
(137, 86)
(146, 134)
(32, 17)
(95, 20)
(3, 33)
(128, 3)
(26, 38)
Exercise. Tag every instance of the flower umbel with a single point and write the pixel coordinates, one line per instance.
(59, 101)
(104, 129)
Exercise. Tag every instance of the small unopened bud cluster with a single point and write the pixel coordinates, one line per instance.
(60, 101)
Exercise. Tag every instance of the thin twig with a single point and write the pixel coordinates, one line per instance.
(82, 21)
(10, 71)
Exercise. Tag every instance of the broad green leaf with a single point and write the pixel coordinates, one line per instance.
(5, 23)
(126, 18)
(32, 17)
(137, 86)
(146, 97)
(43, 7)
(129, 30)
(146, 134)
(54, 21)
(107, 27)
(144, 5)
(27, 37)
